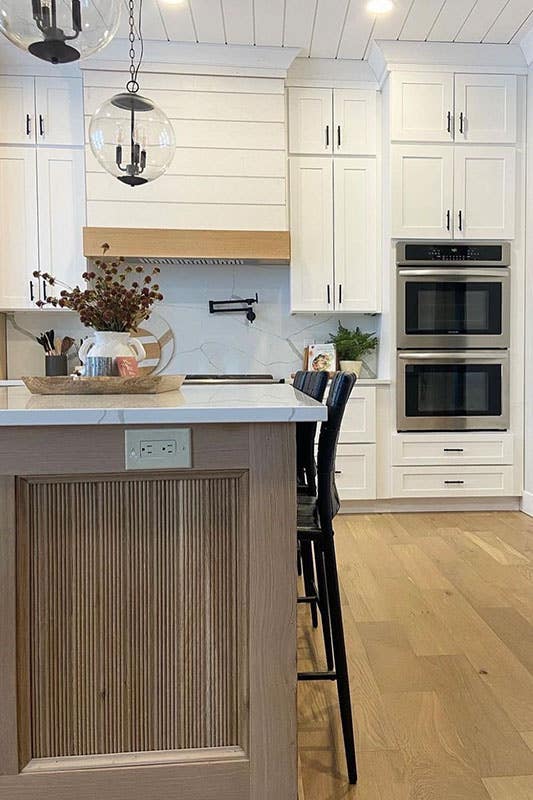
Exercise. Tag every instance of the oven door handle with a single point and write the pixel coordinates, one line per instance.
(454, 355)
(453, 275)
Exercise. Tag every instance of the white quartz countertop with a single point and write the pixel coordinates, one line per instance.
(192, 404)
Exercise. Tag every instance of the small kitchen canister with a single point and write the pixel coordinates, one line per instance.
(55, 366)
(98, 366)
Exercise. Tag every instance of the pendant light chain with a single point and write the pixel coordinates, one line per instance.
(133, 84)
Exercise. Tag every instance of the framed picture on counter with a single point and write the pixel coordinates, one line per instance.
(321, 358)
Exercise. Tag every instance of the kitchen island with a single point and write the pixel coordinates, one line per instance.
(147, 612)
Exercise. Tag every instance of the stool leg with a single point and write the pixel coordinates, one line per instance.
(339, 649)
(309, 578)
(323, 605)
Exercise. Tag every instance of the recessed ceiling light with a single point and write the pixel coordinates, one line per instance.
(174, 2)
(379, 6)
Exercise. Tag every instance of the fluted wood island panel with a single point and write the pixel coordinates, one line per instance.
(147, 619)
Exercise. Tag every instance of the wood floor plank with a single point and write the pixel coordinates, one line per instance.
(517, 788)
(514, 630)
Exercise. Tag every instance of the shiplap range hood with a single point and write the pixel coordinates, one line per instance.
(195, 247)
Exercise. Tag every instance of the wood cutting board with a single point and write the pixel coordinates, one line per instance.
(142, 384)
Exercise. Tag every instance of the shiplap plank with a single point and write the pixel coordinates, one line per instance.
(190, 189)
(184, 215)
(177, 20)
(239, 20)
(186, 83)
(234, 135)
(208, 21)
(152, 24)
(450, 20)
(513, 16)
(268, 28)
(479, 22)
(299, 20)
(328, 28)
(357, 31)
(219, 163)
(232, 107)
(389, 26)
(420, 20)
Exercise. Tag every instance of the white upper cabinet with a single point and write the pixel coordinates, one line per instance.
(485, 108)
(422, 106)
(422, 191)
(17, 110)
(310, 121)
(59, 111)
(484, 192)
(356, 271)
(19, 248)
(61, 197)
(355, 117)
(311, 207)
(341, 121)
(442, 107)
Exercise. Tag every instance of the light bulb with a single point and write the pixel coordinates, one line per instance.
(379, 6)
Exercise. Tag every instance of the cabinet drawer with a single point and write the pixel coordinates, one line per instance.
(355, 472)
(475, 449)
(445, 482)
(359, 423)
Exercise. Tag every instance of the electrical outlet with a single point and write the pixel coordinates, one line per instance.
(167, 448)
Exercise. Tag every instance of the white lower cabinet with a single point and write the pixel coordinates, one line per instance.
(465, 481)
(355, 471)
(457, 449)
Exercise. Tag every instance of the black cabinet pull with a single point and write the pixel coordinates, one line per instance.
(448, 220)
(329, 294)
(449, 126)
(41, 124)
(338, 472)
(327, 135)
(28, 125)
(338, 135)
(460, 220)
(32, 296)
(44, 290)
(454, 450)
(340, 293)
(461, 123)
(458, 483)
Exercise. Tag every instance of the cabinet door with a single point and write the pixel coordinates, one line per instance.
(61, 192)
(19, 250)
(485, 108)
(355, 471)
(422, 191)
(59, 111)
(310, 121)
(359, 421)
(484, 192)
(354, 122)
(16, 110)
(356, 269)
(311, 204)
(422, 106)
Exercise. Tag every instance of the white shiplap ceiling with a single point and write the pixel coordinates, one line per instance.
(333, 28)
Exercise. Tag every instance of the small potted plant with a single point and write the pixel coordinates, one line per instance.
(351, 346)
(118, 298)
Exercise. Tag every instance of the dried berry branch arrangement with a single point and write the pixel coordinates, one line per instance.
(119, 297)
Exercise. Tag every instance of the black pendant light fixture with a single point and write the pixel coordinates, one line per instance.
(129, 135)
(60, 31)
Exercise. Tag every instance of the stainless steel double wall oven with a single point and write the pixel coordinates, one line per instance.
(453, 335)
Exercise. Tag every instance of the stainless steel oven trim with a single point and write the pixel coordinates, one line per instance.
(504, 261)
(452, 340)
(499, 423)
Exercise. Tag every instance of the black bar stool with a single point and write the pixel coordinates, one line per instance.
(315, 526)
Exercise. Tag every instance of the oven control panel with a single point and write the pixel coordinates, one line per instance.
(446, 253)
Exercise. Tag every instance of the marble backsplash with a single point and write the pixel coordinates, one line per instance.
(204, 342)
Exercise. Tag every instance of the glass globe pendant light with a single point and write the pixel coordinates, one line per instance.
(60, 31)
(129, 135)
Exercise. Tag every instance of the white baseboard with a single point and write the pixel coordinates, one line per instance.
(526, 503)
(400, 505)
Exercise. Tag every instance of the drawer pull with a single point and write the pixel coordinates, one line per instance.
(454, 449)
(454, 483)
(338, 472)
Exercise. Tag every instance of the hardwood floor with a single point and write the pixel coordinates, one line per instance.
(438, 611)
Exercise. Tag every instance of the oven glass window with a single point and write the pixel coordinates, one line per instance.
(453, 390)
(445, 307)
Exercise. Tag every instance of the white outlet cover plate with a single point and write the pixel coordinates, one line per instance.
(145, 448)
